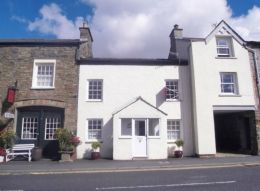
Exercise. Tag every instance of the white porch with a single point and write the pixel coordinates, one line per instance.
(139, 130)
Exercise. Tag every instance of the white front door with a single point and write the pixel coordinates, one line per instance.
(139, 138)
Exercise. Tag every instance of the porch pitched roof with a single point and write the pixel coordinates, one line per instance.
(136, 100)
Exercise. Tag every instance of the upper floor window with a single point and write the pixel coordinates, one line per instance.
(43, 74)
(228, 83)
(172, 90)
(95, 90)
(224, 47)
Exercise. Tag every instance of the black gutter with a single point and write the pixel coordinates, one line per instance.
(15, 42)
(131, 61)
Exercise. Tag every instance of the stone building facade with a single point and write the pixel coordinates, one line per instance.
(44, 76)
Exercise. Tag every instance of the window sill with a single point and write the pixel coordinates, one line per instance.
(93, 140)
(228, 57)
(171, 141)
(172, 100)
(125, 137)
(230, 95)
(154, 137)
(42, 88)
(94, 100)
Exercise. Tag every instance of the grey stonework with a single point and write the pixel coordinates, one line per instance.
(16, 64)
(255, 66)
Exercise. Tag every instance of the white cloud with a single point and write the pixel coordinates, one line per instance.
(134, 28)
(248, 25)
(53, 21)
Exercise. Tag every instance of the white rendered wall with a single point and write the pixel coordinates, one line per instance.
(121, 85)
(206, 68)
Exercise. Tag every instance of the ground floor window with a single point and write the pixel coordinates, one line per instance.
(94, 129)
(126, 127)
(142, 127)
(173, 129)
(29, 128)
(51, 124)
(154, 129)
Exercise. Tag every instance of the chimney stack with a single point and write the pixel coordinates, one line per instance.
(176, 32)
(175, 35)
(85, 48)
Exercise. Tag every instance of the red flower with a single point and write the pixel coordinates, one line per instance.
(2, 152)
(75, 140)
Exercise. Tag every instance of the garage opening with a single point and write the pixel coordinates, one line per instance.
(235, 132)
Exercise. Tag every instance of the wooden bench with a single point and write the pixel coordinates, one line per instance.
(24, 150)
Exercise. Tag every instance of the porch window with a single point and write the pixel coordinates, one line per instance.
(29, 128)
(95, 90)
(173, 129)
(126, 127)
(171, 90)
(94, 129)
(43, 74)
(154, 129)
(51, 125)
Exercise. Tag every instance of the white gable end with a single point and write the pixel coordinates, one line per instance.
(223, 29)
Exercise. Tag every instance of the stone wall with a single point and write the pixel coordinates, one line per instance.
(16, 64)
(257, 92)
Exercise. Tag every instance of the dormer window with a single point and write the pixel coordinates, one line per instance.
(224, 47)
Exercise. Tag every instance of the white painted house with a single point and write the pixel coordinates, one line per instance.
(203, 94)
(135, 107)
(222, 90)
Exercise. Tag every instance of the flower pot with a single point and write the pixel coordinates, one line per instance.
(36, 153)
(2, 159)
(95, 155)
(178, 154)
(65, 156)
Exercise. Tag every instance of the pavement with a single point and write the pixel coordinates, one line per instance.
(46, 166)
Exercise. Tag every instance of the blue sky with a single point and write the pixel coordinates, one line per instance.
(115, 22)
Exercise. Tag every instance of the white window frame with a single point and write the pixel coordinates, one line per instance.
(35, 130)
(234, 83)
(148, 126)
(87, 130)
(120, 132)
(228, 46)
(38, 62)
(178, 90)
(54, 124)
(87, 90)
(180, 130)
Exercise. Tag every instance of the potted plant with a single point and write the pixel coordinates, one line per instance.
(67, 143)
(95, 153)
(2, 154)
(178, 153)
(7, 138)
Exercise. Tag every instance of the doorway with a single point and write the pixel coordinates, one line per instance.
(37, 125)
(140, 138)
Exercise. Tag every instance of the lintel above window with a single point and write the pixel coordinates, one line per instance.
(43, 74)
